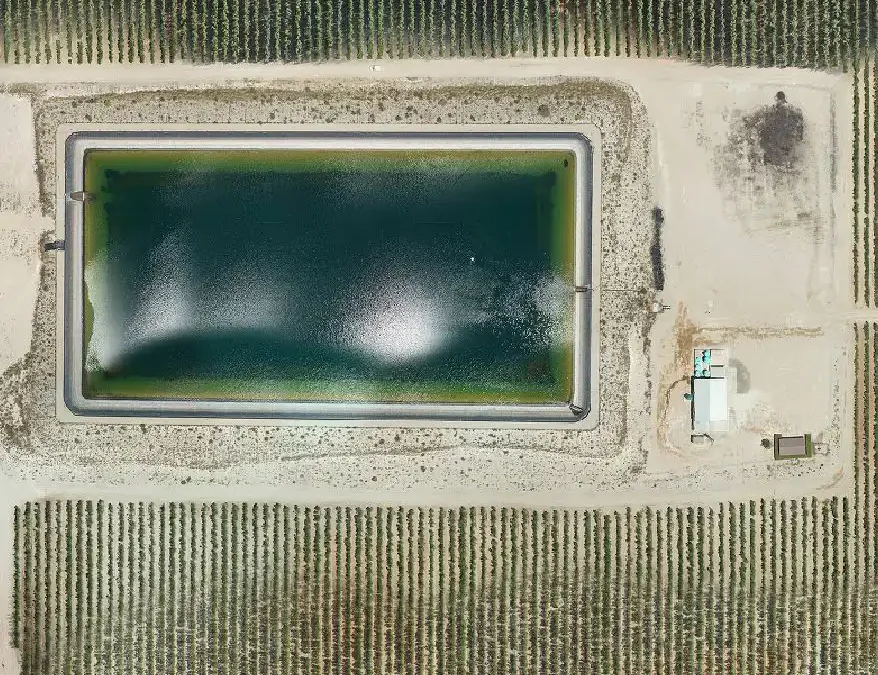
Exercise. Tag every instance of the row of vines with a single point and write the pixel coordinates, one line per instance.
(828, 33)
(865, 150)
(760, 587)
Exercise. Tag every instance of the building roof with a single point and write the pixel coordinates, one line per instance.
(711, 399)
(787, 447)
(710, 404)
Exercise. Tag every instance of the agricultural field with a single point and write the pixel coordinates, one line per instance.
(807, 33)
(761, 586)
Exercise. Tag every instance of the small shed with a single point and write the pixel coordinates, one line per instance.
(710, 404)
(791, 447)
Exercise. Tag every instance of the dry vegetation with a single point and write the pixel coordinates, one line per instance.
(768, 586)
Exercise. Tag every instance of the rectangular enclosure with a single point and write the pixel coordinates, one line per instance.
(328, 275)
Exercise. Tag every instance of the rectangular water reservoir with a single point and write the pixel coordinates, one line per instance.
(328, 275)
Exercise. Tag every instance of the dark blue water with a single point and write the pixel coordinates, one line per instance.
(369, 277)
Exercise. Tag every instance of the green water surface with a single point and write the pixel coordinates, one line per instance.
(431, 276)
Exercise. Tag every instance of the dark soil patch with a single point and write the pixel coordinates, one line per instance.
(775, 133)
(655, 250)
(743, 375)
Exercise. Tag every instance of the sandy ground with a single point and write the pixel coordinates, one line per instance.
(757, 260)
(21, 224)
(689, 167)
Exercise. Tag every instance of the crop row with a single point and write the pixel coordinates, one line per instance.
(811, 33)
(763, 586)
(865, 150)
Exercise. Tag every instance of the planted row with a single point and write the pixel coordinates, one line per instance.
(828, 33)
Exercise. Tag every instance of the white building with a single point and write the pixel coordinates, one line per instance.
(710, 392)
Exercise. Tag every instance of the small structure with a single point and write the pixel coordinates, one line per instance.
(710, 403)
(791, 447)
